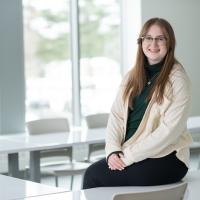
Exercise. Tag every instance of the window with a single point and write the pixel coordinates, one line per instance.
(100, 54)
(47, 56)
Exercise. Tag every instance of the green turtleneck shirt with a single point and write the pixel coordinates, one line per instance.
(140, 102)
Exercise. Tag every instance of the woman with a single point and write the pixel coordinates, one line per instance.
(147, 141)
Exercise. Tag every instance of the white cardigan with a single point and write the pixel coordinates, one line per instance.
(163, 127)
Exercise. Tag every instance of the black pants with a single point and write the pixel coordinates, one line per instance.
(149, 172)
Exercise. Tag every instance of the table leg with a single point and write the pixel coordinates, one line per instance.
(35, 166)
(13, 165)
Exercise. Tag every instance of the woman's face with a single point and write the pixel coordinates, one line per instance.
(154, 45)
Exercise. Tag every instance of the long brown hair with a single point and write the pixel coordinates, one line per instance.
(137, 76)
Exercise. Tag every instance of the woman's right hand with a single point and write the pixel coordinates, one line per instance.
(115, 162)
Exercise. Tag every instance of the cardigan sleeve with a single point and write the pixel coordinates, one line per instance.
(172, 124)
(115, 126)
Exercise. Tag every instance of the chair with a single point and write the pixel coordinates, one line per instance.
(175, 192)
(55, 125)
(99, 120)
(51, 125)
(48, 125)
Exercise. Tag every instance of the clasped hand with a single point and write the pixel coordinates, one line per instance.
(115, 162)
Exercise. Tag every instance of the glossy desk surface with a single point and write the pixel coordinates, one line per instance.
(14, 143)
(13, 188)
(192, 192)
(19, 142)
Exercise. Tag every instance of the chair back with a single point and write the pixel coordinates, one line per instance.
(175, 192)
(51, 125)
(99, 120)
(48, 125)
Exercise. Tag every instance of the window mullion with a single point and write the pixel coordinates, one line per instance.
(75, 57)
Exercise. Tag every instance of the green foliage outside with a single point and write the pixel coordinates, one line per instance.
(93, 41)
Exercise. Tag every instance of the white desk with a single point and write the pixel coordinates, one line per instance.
(13, 188)
(192, 192)
(15, 143)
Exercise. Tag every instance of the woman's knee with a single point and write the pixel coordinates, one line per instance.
(91, 175)
(89, 172)
(93, 170)
(88, 179)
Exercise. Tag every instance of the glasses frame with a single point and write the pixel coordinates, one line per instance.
(160, 40)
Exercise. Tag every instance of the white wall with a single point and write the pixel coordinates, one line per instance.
(184, 16)
(131, 24)
(12, 108)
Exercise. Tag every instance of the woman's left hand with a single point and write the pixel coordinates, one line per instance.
(115, 162)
